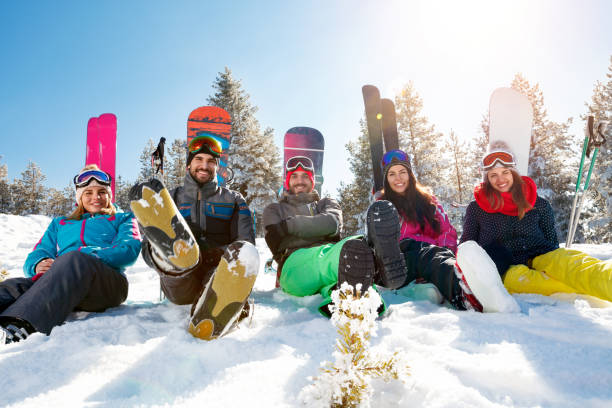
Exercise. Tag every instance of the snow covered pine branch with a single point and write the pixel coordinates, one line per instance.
(346, 383)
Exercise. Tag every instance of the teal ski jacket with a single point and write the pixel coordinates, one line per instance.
(114, 239)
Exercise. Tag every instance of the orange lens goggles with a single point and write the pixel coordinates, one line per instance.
(208, 143)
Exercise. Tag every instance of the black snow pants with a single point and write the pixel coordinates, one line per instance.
(75, 281)
(184, 288)
(432, 264)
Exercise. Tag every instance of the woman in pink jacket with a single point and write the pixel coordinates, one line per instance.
(428, 241)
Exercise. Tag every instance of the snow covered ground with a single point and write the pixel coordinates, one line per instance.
(555, 353)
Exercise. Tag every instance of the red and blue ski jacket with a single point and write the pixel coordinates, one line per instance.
(114, 239)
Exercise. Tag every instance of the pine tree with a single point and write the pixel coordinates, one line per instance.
(60, 202)
(600, 221)
(176, 163)
(355, 197)
(30, 190)
(146, 170)
(552, 158)
(122, 190)
(266, 175)
(481, 143)
(253, 156)
(5, 190)
(418, 138)
(460, 173)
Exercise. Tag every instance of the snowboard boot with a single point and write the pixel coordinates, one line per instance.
(172, 241)
(226, 293)
(356, 264)
(383, 233)
(14, 329)
(480, 278)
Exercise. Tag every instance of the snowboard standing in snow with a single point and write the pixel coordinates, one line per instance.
(101, 146)
(308, 142)
(215, 122)
(389, 125)
(510, 121)
(373, 110)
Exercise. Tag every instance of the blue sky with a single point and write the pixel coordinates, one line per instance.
(303, 64)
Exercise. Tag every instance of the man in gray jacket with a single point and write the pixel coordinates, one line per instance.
(303, 233)
(189, 232)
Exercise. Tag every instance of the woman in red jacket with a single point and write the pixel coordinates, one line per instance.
(516, 227)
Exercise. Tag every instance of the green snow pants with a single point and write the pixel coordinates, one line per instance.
(308, 271)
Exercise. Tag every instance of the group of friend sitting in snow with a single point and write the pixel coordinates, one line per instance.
(200, 239)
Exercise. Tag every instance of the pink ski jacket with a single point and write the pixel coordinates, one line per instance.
(447, 237)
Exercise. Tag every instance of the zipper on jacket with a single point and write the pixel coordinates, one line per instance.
(198, 210)
(83, 232)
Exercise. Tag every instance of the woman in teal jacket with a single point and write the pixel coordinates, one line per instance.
(78, 264)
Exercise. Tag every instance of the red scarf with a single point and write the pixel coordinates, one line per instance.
(509, 206)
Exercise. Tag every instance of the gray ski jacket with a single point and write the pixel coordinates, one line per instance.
(217, 216)
(311, 221)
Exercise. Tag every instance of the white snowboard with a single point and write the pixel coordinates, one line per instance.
(510, 121)
(481, 274)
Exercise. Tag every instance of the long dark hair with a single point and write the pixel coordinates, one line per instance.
(518, 195)
(416, 204)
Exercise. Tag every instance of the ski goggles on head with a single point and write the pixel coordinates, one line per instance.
(503, 158)
(208, 143)
(85, 177)
(394, 155)
(299, 161)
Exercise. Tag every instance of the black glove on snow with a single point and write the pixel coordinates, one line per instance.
(275, 234)
(501, 256)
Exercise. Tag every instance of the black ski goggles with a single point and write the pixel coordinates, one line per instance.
(85, 177)
(206, 143)
(299, 161)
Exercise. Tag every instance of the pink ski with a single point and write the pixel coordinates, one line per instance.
(92, 154)
(102, 144)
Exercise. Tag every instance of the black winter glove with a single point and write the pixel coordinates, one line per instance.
(275, 234)
(501, 256)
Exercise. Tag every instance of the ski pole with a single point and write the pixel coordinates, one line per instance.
(595, 138)
(578, 180)
(579, 209)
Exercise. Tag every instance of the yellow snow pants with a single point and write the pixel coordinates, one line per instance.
(562, 270)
